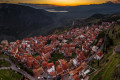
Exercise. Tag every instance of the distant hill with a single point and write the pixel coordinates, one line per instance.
(97, 16)
(85, 11)
(17, 22)
(24, 20)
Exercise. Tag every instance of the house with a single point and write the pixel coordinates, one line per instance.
(117, 49)
(99, 55)
(35, 64)
(44, 64)
(74, 74)
(51, 69)
(76, 77)
(98, 44)
(70, 64)
(4, 42)
(30, 62)
(1, 47)
(75, 62)
(100, 40)
(81, 57)
(94, 48)
(72, 46)
(59, 69)
(38, 58)
(85, 73)
(64, 65)
(38, 72)
(67, 53)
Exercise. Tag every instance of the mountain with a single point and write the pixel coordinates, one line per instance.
(85, 11)
(97, 16)
(39, 6)
(25, 20)
(18, 21)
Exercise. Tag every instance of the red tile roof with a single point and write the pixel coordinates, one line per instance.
(49, 65)
(64, 65)
(44, 64)
(59, 69)
(99, 53)
(76, 77)
(38, 58)
(35, 65)
(53, 74)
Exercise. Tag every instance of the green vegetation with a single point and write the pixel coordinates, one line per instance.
(48, 42)
(94, 63)
(60, 30)
(3, 55)
(116, 73)
(107, 72)
(109, 65)
(35, 55)
(74, 55)
(101, 35)
(114, 32)
(4, 63)
(93, 21)
(9, 75)
(56, 56)
(21, 65)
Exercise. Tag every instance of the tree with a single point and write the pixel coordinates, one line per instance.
(116, 74)
(98, 62)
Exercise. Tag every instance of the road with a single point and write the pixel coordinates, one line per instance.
(101, 47)
(13, 67)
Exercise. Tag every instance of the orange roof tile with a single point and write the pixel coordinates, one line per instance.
(44, 64)
(76, 77)
(99, 53)
(59, 69)
(35, 65)
(49, 65)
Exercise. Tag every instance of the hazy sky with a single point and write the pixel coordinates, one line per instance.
(59, 2)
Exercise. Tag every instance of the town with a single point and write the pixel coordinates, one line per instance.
(65, 56)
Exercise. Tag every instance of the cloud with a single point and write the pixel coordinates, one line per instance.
(1, 0)
(117, 1)
(4, 0)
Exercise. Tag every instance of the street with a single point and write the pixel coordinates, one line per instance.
(13, 67)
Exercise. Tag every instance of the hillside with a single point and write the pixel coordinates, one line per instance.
(109, 68)
(18, 21)
(85, 11)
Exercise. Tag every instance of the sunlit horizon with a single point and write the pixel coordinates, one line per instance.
(59, 2)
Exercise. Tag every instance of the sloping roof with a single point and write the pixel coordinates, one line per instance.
(117, 49)
(76, 77)
(99, 53)
(59, 69)
(49, 65)
(44, 64)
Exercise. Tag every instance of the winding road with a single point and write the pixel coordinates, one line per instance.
(13, 67)
(101, 47)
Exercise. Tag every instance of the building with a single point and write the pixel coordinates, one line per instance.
(99, 55)
(94, 48)
(117, 49)
(38, 72)
(59, 69)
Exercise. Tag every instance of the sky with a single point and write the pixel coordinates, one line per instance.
(60, 2)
